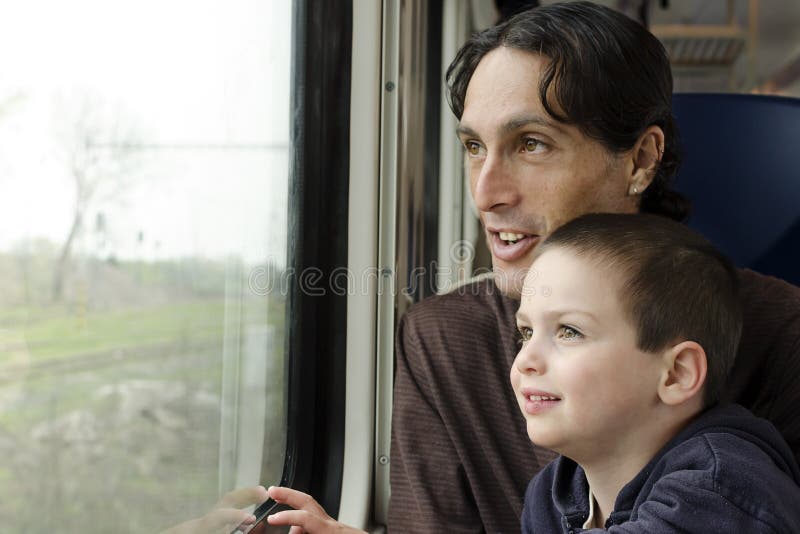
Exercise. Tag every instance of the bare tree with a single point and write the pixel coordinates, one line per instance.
(8, 103)
(101, 153)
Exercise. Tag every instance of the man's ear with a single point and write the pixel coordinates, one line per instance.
(684, 374)
(644, 159)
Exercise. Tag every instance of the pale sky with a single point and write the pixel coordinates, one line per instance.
(178, 73)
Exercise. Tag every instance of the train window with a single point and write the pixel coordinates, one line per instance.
(143, 233)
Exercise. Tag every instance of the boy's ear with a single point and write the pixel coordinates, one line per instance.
(645, 157)
(684, 373)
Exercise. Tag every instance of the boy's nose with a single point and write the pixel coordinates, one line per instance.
(529, 360)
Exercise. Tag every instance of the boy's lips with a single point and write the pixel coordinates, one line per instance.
(538, 401)
(505, 251)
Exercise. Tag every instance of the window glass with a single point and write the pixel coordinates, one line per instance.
(143, 194)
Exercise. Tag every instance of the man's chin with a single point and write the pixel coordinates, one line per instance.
(509, 280)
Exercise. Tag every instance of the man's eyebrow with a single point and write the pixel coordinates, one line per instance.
(511, 125)
(466, 130)
(518, 122)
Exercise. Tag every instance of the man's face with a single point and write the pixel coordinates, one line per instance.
(581, 382)
(528, 173)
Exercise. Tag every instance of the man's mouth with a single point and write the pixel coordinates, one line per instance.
(509, 237)
(511, 246)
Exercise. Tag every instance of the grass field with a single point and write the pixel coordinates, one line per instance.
(52, 333)
(110, 419)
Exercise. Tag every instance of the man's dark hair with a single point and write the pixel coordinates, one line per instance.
(607, 75)
(509, 8)
(674, 285)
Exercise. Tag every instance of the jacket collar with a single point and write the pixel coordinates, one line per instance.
(570, 488)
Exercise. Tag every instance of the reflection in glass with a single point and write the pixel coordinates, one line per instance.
(143, 180)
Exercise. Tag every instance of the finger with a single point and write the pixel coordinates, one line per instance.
(259, 528)
(225, 520)
(299, 518)
(297, 499)
(215, 522)
(296, 530)
(243, 497)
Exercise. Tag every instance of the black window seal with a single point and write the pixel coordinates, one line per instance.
(317, 245)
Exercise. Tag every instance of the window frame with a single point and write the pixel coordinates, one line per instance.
(317, 223)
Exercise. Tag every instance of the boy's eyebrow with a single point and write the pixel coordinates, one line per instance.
(521, 317)
(560, 312)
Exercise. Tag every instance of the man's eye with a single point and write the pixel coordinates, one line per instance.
(531, 144)
(567, 332)
(473, 148)
(525, 333)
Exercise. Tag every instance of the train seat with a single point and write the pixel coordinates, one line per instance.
(741, 169)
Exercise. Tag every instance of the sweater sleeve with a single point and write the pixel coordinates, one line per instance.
(766, 371)
(783, 412)
(429, 492)
(675, 506)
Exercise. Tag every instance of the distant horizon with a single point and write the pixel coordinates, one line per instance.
(220, 89)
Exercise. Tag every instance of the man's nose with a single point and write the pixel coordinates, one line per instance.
(494, 184)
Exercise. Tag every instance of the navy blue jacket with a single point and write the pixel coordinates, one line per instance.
(727, 471)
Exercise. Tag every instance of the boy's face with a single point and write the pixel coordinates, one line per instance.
(582, 384)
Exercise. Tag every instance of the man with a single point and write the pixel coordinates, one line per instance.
(563, 110)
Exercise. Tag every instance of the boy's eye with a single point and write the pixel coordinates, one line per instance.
(525, 333)
(567, 332)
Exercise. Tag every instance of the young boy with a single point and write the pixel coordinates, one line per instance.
(629, 325)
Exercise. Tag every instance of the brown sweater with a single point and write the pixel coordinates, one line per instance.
(461, 458)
